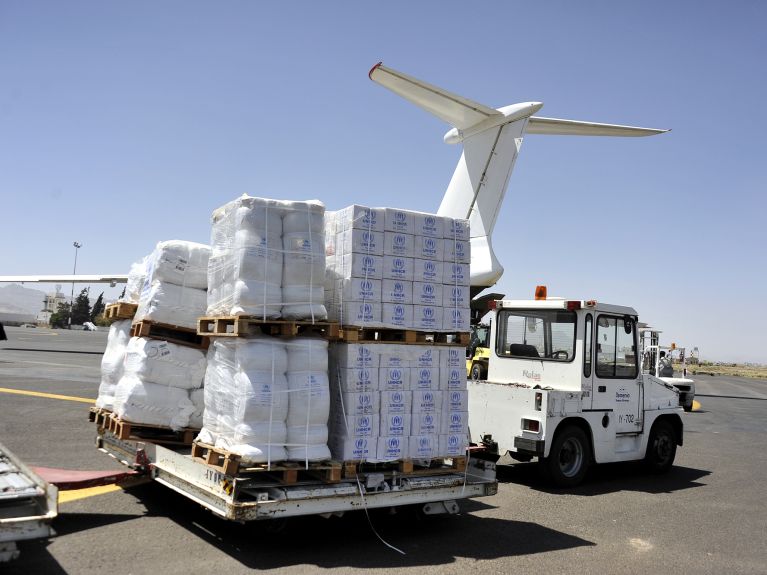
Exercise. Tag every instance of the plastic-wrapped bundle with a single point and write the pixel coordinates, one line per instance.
(112, 362)
(197, 397)
(309, 403)
(246, 401)
(136, 279)
(152, 404)
(171, 304)
(165, 363)
(303, 275)
(179, 262)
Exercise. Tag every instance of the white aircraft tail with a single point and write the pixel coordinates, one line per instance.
(491, 141)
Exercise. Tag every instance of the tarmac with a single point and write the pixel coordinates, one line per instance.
(707, 515)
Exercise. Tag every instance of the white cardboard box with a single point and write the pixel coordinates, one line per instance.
(392, 448)
(425, 423)
(455, 400)
(428, 271)
(394, 378)
(397, 315)
(396, 220)
(429, 248)
(395, 354)
(424, 378)
(452, 378)
(456, 274)
(398, 268)
(360, 241)
(456, 228)
(428, 293)
(355, 379)
(359, 266)
(425, 356)
(355, 355)
(456, 319)
(395, 424)
(353, 449)
(423, 446)
(453, 445)
(397, 291)
(427, 317)
(360, 217)
(395, 402)
(429, 225)
(399, 244)
(457, 251)
(426, 401)
(356, 403)
(354, 425)
(453, 356)
(455, 422)
(363, 314)
(456, 296)
(357, 290)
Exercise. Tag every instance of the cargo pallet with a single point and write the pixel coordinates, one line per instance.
(128, 430)
(240, 326)
(287, 472)
(411, 467)
(353, 334)
(259, 495)
(171, 333)
(120, 310)
(99, 415)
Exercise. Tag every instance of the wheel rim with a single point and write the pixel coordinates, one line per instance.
(571, 457)
(663, 447)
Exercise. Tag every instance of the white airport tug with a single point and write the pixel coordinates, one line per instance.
(564, 385)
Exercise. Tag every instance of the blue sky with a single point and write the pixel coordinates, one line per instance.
(126, 123)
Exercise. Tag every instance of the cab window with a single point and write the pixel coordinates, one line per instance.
(538, 334)
(616, 347)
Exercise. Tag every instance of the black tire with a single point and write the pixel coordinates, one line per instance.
(569, 458)
(687, 408)
(661, 447)
(478, 372)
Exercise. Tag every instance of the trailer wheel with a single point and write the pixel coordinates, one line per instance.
(478, 372)
(661, 447)
(569, 459)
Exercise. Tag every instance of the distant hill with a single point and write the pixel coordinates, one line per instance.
(16, 299)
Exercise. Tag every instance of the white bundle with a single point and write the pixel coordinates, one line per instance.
(152, 404)
(179, 262)
(309, 404)
(162, 362)
(171, 304)
(136, 279)
(246, 402)
(112, 362)
(197, 397)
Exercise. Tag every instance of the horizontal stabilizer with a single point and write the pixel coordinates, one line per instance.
(456, 110)
(81, 279)
(557, 127)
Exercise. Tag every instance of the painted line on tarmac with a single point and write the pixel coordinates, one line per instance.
(47, 395)
(75, 494)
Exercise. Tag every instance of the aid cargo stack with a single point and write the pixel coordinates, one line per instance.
(153, 367)
(266, 387)
(398, 283)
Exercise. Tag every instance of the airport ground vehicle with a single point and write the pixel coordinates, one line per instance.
(478, 352)
(651, 364)
(28, 504)
(564, 385)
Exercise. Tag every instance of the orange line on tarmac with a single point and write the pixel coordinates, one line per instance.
(47, 395)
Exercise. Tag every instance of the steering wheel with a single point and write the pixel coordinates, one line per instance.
(559, 354)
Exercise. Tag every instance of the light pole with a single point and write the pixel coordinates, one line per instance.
(77, 245)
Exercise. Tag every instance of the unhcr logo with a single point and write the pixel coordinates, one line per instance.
(399, 288)
(361, 444)
(399, 312)
(396, 397)
(367, 262)
(400, 217)
(394, 443)
(428, 313)
(456, 419)
(399, 241)
(395, 375)
(396, 421)
(452, 441)
(399, 263)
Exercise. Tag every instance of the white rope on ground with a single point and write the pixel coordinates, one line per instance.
(370, 521)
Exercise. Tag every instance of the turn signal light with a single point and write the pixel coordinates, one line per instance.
(573, 305)
(540, 292)
(492, 304)
(531, 425)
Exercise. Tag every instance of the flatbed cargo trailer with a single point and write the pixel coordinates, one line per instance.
(261, 495)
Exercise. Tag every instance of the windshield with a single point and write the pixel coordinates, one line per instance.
(536, 334)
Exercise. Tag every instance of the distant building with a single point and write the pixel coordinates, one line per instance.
(50, 305)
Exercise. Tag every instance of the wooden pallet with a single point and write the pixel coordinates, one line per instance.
(172, 333)
(439, 466)
(287, 472)
(128, 430)
(352, 334)
(120, 310)
(239, 326)
(99, 415)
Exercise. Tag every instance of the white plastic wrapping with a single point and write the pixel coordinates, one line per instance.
(171, 304)
(413, 254)
(112, 362)
(180, 262)
(267, 259)
(152, 404)
(136, 278)
(165, 363)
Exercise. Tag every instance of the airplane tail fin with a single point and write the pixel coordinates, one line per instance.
(491, 141)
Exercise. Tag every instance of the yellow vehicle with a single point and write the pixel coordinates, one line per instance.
(478, 352)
